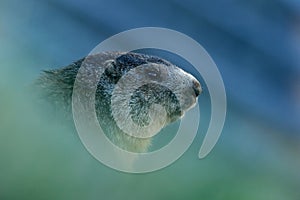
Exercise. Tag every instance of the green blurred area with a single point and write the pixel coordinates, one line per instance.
(41, 159)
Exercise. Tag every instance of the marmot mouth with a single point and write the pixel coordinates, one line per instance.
(190, 104)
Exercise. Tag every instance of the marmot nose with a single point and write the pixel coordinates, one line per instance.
(197, 87)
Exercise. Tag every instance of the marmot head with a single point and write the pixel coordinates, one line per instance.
(136, 95)
(142, 93)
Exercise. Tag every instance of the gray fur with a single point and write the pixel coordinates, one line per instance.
(171, 88)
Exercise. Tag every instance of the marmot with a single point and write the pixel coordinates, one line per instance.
(166, 86)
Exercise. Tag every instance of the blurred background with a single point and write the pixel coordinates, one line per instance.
(256, 46)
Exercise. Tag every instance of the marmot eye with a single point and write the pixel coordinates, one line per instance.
(153, 74)
(156, 73)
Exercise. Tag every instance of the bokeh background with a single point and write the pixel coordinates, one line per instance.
(255, 44)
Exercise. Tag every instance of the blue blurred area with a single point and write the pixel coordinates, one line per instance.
(255, 44)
